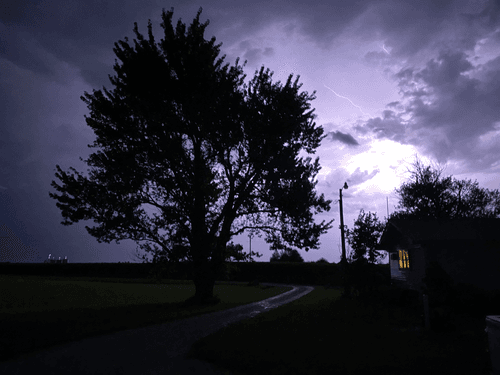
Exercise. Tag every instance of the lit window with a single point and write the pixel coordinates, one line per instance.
(404, 261)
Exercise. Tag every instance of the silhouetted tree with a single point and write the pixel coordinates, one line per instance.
(360, 275)
(183, 134)
(428, 194)
(275, 257)
(287, 256)
(235, 253)
(364, 237)
(322, 260)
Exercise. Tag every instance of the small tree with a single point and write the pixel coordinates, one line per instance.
(235, 254)
(276, 257)
(322, 260)
(287, 256)
(363, 238)
(361, 274)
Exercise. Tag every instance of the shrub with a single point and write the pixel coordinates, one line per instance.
(229, 270)
(364, 278)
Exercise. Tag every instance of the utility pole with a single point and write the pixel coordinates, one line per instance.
(343, 260)
(250, 239)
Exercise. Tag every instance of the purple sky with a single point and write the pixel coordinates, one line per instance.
(393, 79)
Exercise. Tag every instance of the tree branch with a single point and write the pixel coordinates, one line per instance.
(265, 228)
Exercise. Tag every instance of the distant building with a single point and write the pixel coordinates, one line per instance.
(53, 260)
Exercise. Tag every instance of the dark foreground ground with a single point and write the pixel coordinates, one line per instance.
(158, 349)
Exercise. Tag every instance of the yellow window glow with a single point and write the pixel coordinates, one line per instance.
(404, 261)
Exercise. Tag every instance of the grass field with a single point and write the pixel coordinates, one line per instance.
(38, 312)
(323, 334)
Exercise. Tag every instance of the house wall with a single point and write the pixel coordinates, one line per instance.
(396, 275)
(417, 267)
(412, 277)
(469, 262)
(468, 259)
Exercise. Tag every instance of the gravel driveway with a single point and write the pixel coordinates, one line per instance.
(157, 349)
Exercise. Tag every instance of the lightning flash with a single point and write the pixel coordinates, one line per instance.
(343, 97)
(383, 47)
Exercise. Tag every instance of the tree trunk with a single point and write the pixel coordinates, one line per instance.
(204, 282)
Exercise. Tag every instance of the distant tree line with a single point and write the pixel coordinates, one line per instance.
(286, 256)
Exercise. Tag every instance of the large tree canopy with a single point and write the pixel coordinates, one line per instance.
(427, 194)
(183, 134)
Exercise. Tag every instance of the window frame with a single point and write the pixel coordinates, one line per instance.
(404, 261)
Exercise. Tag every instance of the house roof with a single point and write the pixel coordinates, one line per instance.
(426, 230)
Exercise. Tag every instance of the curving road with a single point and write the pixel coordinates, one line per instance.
(157, 349)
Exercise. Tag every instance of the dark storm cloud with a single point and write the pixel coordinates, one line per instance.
(377, 58)
(395, 105)
(344, 138)
(323, 21)
(81, 33)
(389, 126)
(358, 177)
(407, 27)
(336, 178)
(268, 51)
(410, 27)
(451, 107)
(37, 36)
(253, 54)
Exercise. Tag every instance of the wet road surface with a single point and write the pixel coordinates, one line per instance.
(157, 349)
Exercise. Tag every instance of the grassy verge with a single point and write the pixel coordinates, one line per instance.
(39, 312)
(323, 334)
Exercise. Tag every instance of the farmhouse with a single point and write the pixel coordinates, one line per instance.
(467, 249)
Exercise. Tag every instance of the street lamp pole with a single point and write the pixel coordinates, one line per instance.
(343, 260)
(250, 239)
